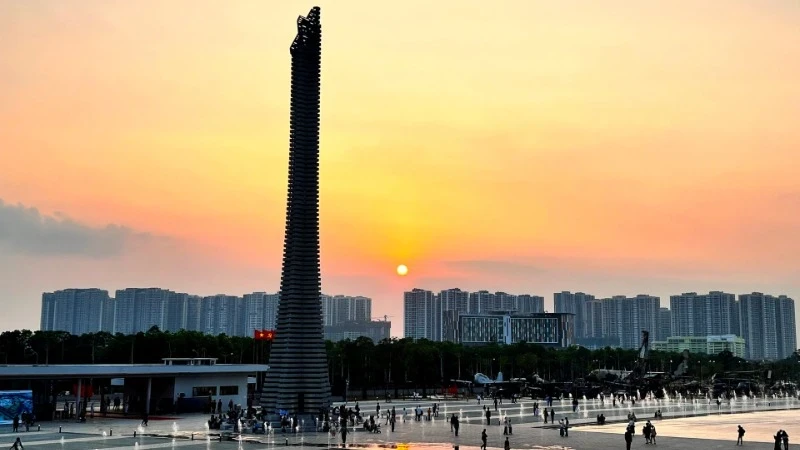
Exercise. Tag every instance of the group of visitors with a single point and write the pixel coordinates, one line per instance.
(649, 431)
(371, 426)
(237, 417)
(563, 427)
(781, 437)
(419, 412)
(26, 419)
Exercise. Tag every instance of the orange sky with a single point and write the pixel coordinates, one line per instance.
(526, 146)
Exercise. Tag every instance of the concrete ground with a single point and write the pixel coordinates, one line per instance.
(709, 431)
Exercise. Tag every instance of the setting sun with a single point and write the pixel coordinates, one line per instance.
(402, 270)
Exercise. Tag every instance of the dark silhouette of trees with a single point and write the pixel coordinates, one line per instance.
(387, 366)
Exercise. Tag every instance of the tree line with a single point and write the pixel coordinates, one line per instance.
(363, 364)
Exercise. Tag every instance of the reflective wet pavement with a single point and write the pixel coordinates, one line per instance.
(713, 430)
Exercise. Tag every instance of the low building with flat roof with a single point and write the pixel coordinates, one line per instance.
(549, 329)
(377, 330)
(709, 345)
(151, 388)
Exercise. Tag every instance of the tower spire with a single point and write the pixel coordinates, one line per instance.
(297, 380)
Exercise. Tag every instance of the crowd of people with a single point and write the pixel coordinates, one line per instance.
(237, 418)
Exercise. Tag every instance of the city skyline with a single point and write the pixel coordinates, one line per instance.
(764, 321)
(765, 324)
(611, 148)
(684, 314)
(133, 310)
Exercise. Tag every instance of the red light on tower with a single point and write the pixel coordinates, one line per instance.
(264, 335)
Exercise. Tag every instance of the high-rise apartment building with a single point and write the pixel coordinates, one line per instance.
(759, 328)
(77, 311)
(337, 309)
(567, 302)
(49, 311)
(125, 311)
(421, 315)
(593, 319)
(481, 302)
(767, 325)
(529, 304)
(151, 304)
(785, 324)
(454, 300)
(260, 311)
(625, 318)
(176, 311)
(715, 313)
(664, 324)
(139, 309)
(193, 306)
(504, 302)
(222, 314)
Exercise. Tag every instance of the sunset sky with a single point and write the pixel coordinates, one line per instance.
(616, 147)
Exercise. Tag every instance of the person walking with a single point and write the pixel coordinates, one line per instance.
(628, 439)
(17, 445)
(552, 415)
(740, 431)
(566, 426)
(15, 424)
(507, 445)
(456, 425)
(483, 439)
(545, 415)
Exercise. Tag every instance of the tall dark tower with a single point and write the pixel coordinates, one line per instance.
(297, 380)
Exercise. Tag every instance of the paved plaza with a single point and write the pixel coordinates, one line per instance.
(711, 429)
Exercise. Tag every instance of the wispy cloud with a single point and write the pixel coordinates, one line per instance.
(25, 230)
